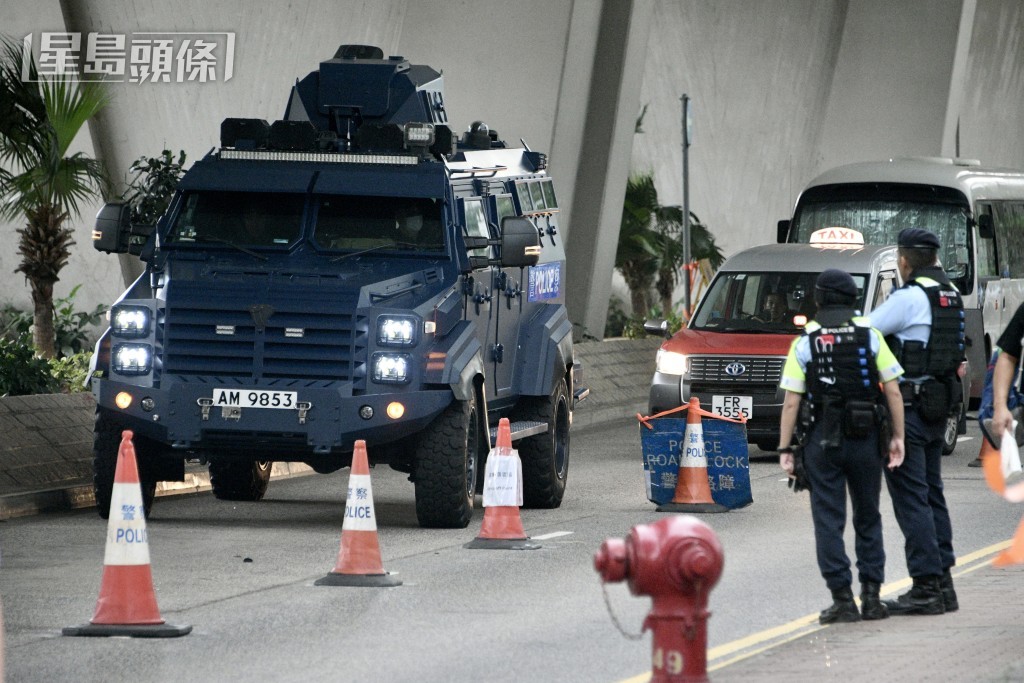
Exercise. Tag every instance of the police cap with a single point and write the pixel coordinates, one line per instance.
(839, 281)
(917, 238)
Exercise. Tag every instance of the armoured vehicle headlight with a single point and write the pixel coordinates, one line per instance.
(670, 362)
(391, 368)
(133, 359)
(419, 134)
(393, 331)
(130, 321)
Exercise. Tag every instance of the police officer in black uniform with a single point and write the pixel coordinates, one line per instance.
(838, 363)
(924, 323)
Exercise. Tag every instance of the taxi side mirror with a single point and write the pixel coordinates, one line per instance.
(782, 231)
(657, 326)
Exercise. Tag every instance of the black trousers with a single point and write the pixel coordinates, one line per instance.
(856, 465)
(918, 500)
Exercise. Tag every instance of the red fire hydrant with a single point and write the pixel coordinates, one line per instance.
(676, 561)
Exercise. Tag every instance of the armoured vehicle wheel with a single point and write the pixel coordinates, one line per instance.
(949, 436)
(447, 457)
(106, 441)
(240, 479)
(545, 456)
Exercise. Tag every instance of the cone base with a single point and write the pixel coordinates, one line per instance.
(368, 580)
(133, 630)
(502, 544)
(691, 507)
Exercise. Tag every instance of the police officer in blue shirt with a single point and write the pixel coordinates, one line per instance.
(924, 322)
(838, 365)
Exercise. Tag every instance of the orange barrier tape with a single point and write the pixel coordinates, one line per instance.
(645, 421)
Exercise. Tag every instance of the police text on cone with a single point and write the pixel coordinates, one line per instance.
(359, 561)
(127, 601)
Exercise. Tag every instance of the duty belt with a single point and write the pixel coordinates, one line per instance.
(909, 391)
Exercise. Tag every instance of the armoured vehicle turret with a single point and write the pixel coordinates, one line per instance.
(355, 270)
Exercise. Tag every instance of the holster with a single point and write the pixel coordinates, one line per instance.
(829, 419)
(859, 419)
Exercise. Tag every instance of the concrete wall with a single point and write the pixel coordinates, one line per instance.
(781, 90)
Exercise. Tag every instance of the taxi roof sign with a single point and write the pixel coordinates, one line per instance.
(837, 238)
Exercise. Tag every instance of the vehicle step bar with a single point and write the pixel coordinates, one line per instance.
(521, 430)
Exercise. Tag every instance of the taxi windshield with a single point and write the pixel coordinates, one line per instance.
(762, 302)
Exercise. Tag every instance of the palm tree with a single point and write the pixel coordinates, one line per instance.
(39, 180)
(671, 264)
(650, 248)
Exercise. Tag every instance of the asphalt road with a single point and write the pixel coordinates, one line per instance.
(242, 575)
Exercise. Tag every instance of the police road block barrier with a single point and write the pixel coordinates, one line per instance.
(359, 562)
(502, 528)
(675, 449)
(127, 602)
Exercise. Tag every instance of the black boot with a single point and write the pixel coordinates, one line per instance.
(948, 594)
(843, 607)
(924, 598)
(871, 606)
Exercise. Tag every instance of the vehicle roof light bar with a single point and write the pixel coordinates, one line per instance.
(267, 155)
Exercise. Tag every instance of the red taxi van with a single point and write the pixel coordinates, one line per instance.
(731, 353)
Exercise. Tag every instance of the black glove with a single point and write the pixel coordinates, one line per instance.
(799, 481)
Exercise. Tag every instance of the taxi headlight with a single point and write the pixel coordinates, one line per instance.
(670, 362)
(396, 331)
(130, 321)
(133, 359)
(391, 368)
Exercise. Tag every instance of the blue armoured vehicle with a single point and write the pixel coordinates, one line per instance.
(353, 271)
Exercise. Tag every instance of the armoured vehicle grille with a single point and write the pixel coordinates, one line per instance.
(301, 339)
(712, 369)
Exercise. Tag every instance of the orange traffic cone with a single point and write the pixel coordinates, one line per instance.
(502, 528)
(991, 462)
(1015, 553)
(359, 562)
(127, 603)
(693, 492)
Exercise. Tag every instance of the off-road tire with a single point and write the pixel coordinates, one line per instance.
(233, 479)
(545, 456)
(448, 453)
(106, 442)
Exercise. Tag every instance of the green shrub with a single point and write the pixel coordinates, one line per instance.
(21, 372)
(70, 372)
(75, 330)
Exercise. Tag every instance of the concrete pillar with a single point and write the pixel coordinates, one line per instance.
(604, 158)
(891, 89)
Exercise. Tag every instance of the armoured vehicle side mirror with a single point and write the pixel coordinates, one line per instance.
(782, 231)
(113, 224)
(115, 233)
(986, 229)
(520, 242)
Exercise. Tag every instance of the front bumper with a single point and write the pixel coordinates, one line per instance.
(671, 391)
(332, 422)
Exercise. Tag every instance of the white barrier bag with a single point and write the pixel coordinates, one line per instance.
(1009, 452)
(503, 478)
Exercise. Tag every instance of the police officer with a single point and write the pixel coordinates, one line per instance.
(838, 363)
(925, 319)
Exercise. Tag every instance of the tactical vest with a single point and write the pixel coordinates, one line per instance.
(947, 340)
(842, 364)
